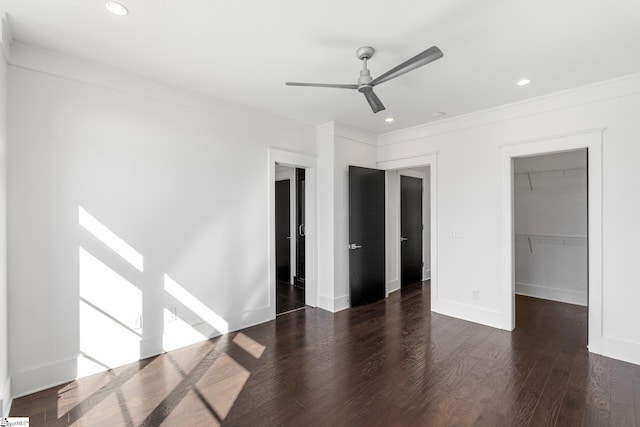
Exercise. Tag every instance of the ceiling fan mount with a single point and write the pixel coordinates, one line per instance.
(365, 52)
(366, 82)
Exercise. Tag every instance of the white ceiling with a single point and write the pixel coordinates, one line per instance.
(244, 51)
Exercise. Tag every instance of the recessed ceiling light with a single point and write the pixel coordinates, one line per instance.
(438, 114)
(523, 82)
(389, 119)
(116, 8)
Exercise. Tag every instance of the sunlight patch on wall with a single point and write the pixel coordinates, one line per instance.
(195, 305)
(178, 333)
(110, 317)
(106, 236)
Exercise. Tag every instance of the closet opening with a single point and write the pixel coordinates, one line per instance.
(550, 230)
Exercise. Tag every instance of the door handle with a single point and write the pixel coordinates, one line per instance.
(301, 230)
(354, 246)
(403, 239)
(288, 237)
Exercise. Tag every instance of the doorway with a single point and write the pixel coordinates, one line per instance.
(425, 167)
(289, 238)
(592, 141)
(414, 207)
(550, 226)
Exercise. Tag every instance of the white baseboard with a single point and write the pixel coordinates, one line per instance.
(627, 351)
(333, 304)
(483, 316)
(393, 286)
(427, 275)
(43, 377)
(5, 398)
(553, 294)
(57, 373)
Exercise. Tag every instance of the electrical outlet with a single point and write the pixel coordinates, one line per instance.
(137, 322)
(172, 314)
(475, 294)
(456, 233)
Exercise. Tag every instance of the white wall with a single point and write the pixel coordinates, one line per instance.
(5, 387)
(338, 147)
(179, 177)
(469, 183)
(550, 220)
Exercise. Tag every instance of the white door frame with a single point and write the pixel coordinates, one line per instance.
(309, 163)
(290, 174)
(431, 160)
(592, 141)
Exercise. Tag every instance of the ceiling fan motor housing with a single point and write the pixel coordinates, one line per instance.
(364, 53)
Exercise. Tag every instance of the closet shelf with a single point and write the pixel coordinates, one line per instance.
(551, 238)
(551, 172)
(558, 172)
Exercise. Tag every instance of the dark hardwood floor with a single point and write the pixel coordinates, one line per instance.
(288, 297)
(391, 363)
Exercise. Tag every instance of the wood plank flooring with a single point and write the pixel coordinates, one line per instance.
(391, 363)
(288, 297)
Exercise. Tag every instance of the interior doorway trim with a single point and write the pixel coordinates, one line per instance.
(309, 163)
(592, 141)
(431, 160)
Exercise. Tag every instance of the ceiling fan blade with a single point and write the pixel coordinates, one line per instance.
(322, 85)
(419, 60)
(372, 99)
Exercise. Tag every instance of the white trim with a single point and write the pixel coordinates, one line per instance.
(615, 348)
(6, 39)
(290, 174)
(355, 135)
(582, 95)
(393, 285)
(467, 312)
(407, 162)
(43, 377)
(5, 398)
(553, 294)
(333, 304)
(554, 136)
(309, 163)
(430, 160)
(427, 275)
(592, 141)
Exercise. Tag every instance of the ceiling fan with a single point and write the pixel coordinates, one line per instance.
(366, 82)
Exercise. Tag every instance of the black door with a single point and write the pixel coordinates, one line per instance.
(283, 228)
(366, 235)
(410, 230)
(300, 239)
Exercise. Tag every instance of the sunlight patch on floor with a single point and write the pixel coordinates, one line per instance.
(249, 345)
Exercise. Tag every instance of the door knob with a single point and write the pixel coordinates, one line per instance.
(354, 246)
(403, 239)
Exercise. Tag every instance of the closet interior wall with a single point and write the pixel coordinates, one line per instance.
(550, 218)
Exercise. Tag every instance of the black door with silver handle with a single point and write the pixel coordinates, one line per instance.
(410, 230)
(367, 281)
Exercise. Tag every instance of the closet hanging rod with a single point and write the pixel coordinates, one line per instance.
(553, 236)
(549, 171)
